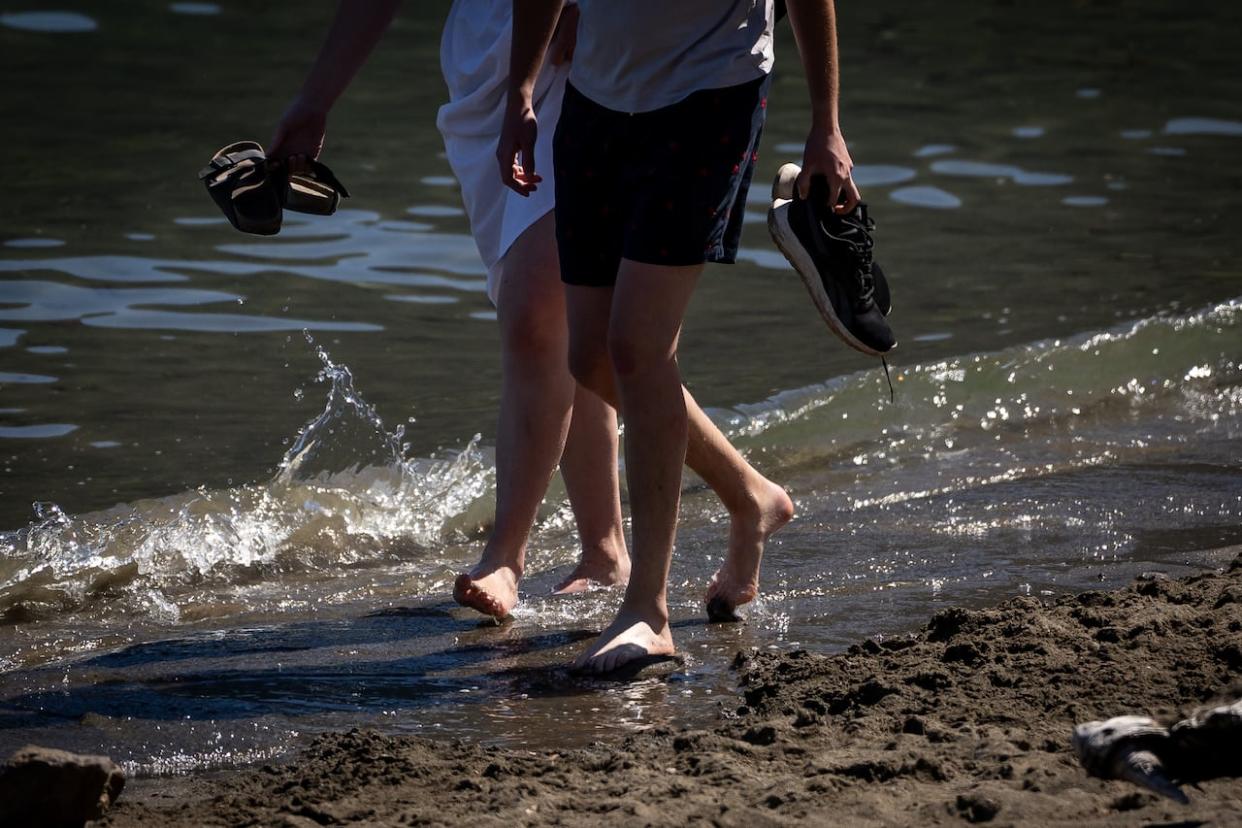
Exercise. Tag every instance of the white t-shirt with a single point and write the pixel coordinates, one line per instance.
(640, 55)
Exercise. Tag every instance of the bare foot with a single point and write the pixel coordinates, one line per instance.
(630, 636)
(490, 591)
(598, 570)
(737, 580)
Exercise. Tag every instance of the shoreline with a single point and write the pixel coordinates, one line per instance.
(966, 720)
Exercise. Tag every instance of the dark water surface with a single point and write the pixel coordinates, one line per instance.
(225, 551)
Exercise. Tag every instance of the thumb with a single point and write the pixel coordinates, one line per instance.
(803, 184)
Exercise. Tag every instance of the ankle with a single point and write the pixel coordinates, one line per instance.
(608, 551)
(652, 610)
(761, 499)
(495, 557)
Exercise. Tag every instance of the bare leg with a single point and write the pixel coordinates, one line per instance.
(589, 466)
(643, 321)
(757, 506)
(536, 398)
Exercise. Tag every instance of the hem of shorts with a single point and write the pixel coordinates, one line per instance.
(568, 280)
(709, 258)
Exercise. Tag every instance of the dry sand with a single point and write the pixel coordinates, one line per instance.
(965, 720)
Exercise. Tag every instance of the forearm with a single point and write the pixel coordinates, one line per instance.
(814, 24)
(533, 24)
(357, 27)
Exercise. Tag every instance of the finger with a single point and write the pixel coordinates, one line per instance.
(524, 183)
(850, 196)
(834, 192)
(508, 163)
(528, 153)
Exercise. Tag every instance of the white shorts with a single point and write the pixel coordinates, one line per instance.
(474, 57)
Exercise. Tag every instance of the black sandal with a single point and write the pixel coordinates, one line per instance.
(253, 192)
(316, 191)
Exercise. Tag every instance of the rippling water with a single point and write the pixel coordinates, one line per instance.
(239, 474)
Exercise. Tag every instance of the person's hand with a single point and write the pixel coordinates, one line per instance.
(299, 136)
(827, 155)
(565, 38)
(516, 151)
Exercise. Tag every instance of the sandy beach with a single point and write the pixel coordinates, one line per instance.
(965, 720)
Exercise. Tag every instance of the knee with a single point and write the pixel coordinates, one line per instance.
(631, 357)
(589, 367)
(534, 334)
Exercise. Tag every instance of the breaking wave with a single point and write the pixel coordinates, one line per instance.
(346, 497)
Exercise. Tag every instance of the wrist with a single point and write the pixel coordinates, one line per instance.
(312, 101)
(521, 95)
(825, 121)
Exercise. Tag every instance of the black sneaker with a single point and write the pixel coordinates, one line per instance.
(832, 254)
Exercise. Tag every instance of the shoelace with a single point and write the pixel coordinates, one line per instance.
(856, 237)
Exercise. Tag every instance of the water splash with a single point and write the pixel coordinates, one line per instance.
(347, 436)
(346, 498)
(345, 495)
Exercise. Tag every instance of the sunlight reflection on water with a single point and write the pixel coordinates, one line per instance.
(49, 21)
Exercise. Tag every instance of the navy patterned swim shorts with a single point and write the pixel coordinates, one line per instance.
(662, 187)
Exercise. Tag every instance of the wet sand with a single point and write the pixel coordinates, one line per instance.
(965, 720)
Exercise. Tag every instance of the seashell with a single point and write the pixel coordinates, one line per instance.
(1127, 747)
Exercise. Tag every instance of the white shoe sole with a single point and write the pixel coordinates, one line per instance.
(787, 242)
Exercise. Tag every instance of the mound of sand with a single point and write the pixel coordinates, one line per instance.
(966, 720)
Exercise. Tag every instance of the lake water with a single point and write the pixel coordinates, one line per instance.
(239, 474)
